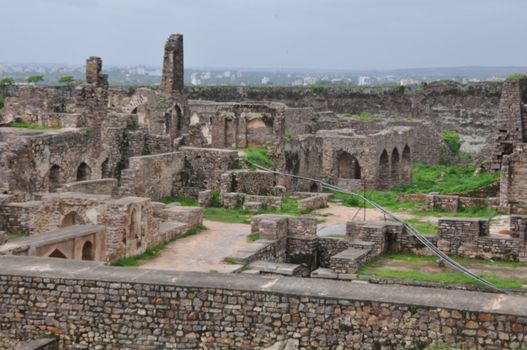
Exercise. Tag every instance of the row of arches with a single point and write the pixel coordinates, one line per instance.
(83, 173)
(395, 169)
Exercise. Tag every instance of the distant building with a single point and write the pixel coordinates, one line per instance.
(265, 80)
(365, 80)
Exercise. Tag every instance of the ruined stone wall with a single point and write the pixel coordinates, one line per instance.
(249, 182)
(196, 310)
(513, 187)
(153, 176)
(204, 168)
(469, 109)
(240, 125)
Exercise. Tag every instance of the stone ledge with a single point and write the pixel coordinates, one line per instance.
(343, 291)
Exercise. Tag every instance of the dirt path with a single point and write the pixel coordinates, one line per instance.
(204, 251)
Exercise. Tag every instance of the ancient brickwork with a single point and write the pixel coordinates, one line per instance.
(511, 120)
(243, 312)
(173, 68)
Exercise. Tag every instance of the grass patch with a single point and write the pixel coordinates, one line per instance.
(241, 216)
(447, 179)
(184, 202)
(23, 125)
(516, 76)
(424, 227)
(18, 234)
(154, 251)
(257, 155)
(452, 140)
(374, 268)
(213, 271)
(363, 117)
(253, 237)
(229, 261)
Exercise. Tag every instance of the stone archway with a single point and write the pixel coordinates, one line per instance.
(88, 251)
(384, 170)
(348, 166)
(406, 165)
(55, 178)
(395, 168)
(105, 169)
(83, 172)
(70, 219)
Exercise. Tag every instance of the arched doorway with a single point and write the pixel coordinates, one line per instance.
(70, 219)
(83, 172)
(384, 170)
(135, 228)
(314, 187)
(57, 254)
(87, 251)
(55, 178)
(407, 165)
(105, 169)
(348, 166)
(396, 168)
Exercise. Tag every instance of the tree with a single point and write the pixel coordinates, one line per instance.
(66, 79)
(35, 78)
(7, 81)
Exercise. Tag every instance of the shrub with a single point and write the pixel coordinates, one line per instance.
(258, 155)
(516, 76)
(452, 140)
(35, 78)
(366, 117)
(216, 199)
(7, 81)
(66, 79)
(1, 101)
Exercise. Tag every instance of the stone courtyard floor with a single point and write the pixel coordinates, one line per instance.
(203, 252)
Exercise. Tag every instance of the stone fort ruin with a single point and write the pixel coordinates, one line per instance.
(88, 189)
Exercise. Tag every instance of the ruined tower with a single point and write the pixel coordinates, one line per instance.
(512, 120)
(172, 81)
(93, 72)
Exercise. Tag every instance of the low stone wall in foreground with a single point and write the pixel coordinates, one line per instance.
(91, 306)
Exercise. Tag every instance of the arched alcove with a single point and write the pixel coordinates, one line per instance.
(83, 172)
(384, 170)
(70, 219)
(348, 166)
(407, 165)
(395, 168)
(87, 251)
(55, 177)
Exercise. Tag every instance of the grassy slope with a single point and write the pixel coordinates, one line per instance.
(373, 268)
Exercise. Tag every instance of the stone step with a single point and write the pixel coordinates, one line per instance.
(253, 206)
(324, 273)
(279, 268)
(357, 243)
(349, 260)
(169, 230)
(249, 253)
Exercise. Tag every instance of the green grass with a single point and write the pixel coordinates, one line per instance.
(153, 252)
(253, 237)
(18, 234)
(516, 76)
(241, 216)
(229, 261)
(373, 268)
(452, 140)
(23, 125)
(363, 117)
(185, 202)
(257, 155)
(447, 179)
(424, 227)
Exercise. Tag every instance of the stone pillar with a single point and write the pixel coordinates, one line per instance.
(173, 74)
(510, 122)
(93, 72)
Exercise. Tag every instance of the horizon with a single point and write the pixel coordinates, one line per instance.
(331, 35)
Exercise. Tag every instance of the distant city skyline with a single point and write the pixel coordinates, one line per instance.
(268, 34)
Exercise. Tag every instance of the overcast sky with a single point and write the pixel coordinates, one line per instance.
(328, 34)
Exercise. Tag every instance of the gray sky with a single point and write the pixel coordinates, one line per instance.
(332, 34)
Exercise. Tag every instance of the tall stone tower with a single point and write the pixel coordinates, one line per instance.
(173, 75)
(512, 120)
(93, 72)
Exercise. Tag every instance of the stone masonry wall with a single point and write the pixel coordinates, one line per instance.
(99, 307)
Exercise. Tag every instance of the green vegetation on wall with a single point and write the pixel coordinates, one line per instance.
(23, 125)
(257, 155)
(516, 76)
(452, 140)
